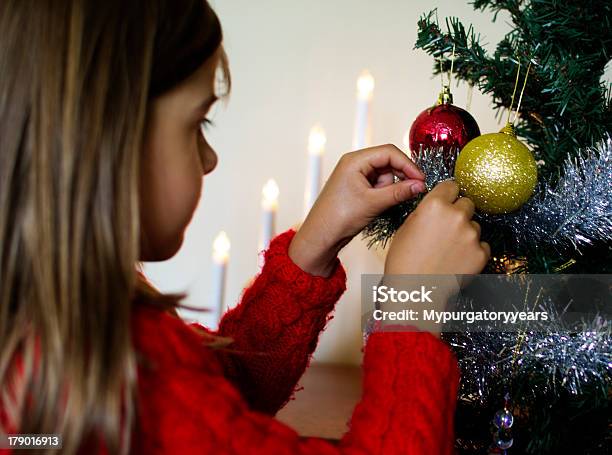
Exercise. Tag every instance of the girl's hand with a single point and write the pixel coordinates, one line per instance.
(359, 189)
(439, 237)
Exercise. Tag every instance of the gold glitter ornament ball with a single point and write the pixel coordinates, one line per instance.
(497, 171)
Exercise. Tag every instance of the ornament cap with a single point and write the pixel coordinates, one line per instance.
(509, 130)
(445, 96)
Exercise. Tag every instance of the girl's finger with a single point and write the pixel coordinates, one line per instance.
(446, 190)
(477, 227)
(384, 180)
(390, 195)
(486, 248)
(389, 156)
(387, 178)
(386, 170)
(466, 205)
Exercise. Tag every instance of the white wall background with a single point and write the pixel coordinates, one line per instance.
(295, 63)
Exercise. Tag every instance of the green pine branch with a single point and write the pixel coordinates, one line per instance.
(565, 106)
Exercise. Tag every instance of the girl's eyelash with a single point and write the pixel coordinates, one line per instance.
(206, 123)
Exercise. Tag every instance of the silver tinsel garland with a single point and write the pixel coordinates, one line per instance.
(561, 357)
(573, 212)
(536, 371)
(539, 365)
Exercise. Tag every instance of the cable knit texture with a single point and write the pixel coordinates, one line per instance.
(197, 400)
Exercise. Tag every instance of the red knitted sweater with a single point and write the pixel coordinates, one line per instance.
(197, 400)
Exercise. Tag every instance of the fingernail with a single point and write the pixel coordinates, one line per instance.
(418, 187)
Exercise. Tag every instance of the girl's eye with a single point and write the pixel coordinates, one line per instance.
(206, 123)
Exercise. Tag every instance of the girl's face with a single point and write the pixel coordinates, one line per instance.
(176, 157)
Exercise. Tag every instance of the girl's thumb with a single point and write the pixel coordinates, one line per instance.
(397, 192)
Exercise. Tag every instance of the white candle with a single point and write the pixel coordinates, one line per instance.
(363, 129)
(316, 147)
(269, 205)
(221, 247)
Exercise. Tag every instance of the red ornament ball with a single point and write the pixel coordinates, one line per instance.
(443, 125)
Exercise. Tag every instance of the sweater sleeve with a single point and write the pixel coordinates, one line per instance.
(407, 407)
(276, 327)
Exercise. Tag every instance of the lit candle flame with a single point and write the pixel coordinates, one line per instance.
(270, 193)
(221, 247)
(316, 140)
(365, 85)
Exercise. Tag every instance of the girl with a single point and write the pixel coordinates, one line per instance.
(101, 162)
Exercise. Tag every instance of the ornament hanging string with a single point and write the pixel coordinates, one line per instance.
(523, 332)
(518, 107)
(470, 93)
(441, 70)
(518, 74)
(450, 74)
(441, 56)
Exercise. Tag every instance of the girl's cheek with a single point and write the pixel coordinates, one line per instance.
(189, 179)
(178, 193)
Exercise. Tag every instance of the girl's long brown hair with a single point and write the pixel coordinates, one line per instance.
(77, 79)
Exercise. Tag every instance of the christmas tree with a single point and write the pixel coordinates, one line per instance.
(561, 381)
